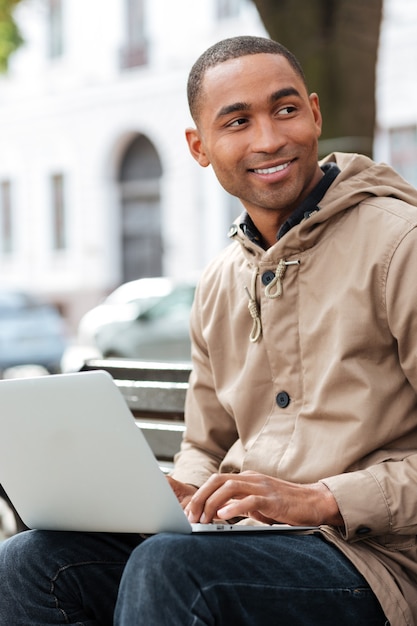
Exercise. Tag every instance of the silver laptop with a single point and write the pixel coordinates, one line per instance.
(72, 458)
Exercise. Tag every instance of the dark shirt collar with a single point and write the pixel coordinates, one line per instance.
(304, 210)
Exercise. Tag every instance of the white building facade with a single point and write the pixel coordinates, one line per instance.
(96, 183)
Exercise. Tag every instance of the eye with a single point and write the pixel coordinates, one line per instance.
(287, 110)
(238, 122)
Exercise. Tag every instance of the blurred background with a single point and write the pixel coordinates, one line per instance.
(97, 188)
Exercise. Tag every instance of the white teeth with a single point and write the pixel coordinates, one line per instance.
(272, 170)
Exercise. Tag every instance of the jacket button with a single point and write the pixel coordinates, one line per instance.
(267, 277)
(232, 230)
(283, 399)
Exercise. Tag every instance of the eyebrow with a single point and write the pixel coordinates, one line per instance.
(244, 106)
(284, 93)
(233, 108)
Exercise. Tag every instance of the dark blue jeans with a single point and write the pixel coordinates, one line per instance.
(50, 578)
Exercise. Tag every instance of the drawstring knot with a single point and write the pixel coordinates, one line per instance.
(272, 290)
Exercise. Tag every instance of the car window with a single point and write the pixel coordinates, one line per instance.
(177, 302)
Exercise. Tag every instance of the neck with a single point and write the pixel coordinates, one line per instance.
(268, 224)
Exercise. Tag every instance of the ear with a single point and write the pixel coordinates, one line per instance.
(195, 145)
(315, 108)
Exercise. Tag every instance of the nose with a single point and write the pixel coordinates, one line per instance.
(266, 136)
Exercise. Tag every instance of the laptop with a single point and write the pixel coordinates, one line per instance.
(73, 458)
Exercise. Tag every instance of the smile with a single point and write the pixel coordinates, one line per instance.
(272, 170)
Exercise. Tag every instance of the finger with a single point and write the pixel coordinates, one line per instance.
(217, 494)
(195, 507)
(250, 506)
(200, 507)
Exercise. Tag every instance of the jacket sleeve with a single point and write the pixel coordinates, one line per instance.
(382, 499)
(210, 429)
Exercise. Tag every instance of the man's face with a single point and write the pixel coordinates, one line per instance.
(259, 130)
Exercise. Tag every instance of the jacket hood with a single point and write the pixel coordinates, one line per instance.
(359, 179)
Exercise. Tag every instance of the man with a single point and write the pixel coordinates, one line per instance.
(303, 398)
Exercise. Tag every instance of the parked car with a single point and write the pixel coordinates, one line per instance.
(31, 332)
(145, 319)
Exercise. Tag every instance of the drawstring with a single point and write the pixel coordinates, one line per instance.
(277, 280)
(272, 290)
(253, 309)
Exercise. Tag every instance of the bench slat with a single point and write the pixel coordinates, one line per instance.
(159, 396)
(164, 438)
(131, 369)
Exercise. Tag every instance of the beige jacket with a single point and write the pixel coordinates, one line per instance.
(328, 391)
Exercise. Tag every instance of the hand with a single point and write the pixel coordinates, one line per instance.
(183, 491)
(264, 498)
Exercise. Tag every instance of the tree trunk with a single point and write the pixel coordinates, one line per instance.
(336, 42)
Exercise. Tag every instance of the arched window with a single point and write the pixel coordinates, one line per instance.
(139, 179)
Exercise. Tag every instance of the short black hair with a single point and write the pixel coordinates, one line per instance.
(233, 48)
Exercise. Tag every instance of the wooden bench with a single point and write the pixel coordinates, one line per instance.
(155, 394)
